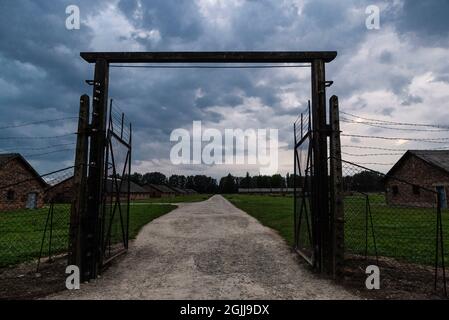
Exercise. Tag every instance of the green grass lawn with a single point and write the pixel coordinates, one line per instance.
(407, 234)
(177, 199)
(273, 212)
(21, 231)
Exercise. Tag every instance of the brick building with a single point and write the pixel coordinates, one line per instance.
(416, 171)
(178, 191)
(159, 190)
(136, 192)
(61, 192)
(20, 185)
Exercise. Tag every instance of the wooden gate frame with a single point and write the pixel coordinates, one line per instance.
(88, 252)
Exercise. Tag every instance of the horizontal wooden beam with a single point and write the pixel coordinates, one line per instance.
(211, 57)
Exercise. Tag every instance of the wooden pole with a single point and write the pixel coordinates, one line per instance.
(337, 204)
(79, 183)
(295, 213)
(92, 223)
(320, 188)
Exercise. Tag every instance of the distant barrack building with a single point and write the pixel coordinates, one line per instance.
(178, 191)
(21, 186)
(418, 169)
(159, 190)
(266, 190)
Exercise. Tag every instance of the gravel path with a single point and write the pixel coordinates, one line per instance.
(208, 250)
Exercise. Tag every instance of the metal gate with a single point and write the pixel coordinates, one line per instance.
(97, 211)
(302, 186)
(116, 187)
(318, 202)
(99, 220)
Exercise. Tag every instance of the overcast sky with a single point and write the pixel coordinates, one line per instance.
(397, 73)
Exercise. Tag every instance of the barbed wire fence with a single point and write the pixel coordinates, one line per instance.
(34, 217)
(398, 223)
(35, 208)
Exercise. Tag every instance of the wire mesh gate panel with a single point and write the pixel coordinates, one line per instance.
(116, 188)
(303, 157)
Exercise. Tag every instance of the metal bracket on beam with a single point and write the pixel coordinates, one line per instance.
(92, 82)
(327, 84)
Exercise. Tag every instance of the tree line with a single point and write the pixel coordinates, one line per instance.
(206, 184)
(365, 181)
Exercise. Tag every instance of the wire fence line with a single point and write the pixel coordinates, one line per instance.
(430, 140)
(34, 217)
(17, 148)
(26, 124)
(424, 137)
(388, 149)
(394, 123)
(384, 126)
(397, 225)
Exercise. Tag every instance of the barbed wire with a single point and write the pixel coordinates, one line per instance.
(37, 138)
(373, 124)
(47, 153)
(37, 148)
(37, 122)
(394, 122)
(371, 154)
(430, 140)
(374, 163)
(388, 149)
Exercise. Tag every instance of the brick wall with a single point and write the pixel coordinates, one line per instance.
(416, 172)
(15, 171)
(62, 192)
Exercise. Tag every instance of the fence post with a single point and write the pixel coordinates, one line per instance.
(130, 141)
(79, 183)
(320, 187)
(337, 205)
(91, 248)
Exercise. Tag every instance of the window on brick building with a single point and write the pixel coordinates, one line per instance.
(416, 190)
(395, 190)
(10, 194)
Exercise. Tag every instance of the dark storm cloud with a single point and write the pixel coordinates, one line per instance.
(174, 19)
(410, 100)
(386, 57)
(387, 111)
(43, 76)
(426, 19)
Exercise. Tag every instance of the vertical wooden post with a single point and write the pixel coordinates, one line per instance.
(337, 204)
(295, 213)
(92, 223)
(320, 202)
(130, 141)
(79, 183)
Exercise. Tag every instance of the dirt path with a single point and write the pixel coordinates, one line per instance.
(208, 250)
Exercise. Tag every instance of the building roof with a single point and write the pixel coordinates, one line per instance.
(436, 158)
(8, 157)
(179, 190)
(161, 188)
(133, 187)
